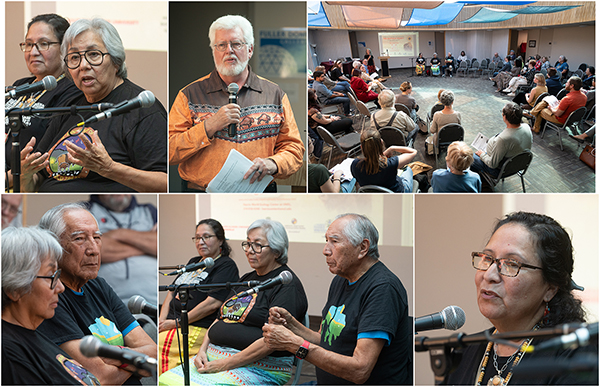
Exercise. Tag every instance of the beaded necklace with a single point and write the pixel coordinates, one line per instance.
(498, 380)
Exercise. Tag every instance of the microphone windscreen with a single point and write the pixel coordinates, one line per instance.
(49, 82)
(233, 88)
(135, 304)
(89, 346)
(454, 317)
(208, 262)
(286, 277)
(146, 98)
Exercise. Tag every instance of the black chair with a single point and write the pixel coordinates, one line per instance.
(374, 188)
(474, 67)
(400, 107)
(516, 165)
(583, 67)
(446, 136)
(392, 136)
(462, 68)
(574, 119)
(561, 94)
(346, 144)
(538, 100)
(436, 108)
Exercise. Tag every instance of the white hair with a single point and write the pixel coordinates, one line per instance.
(231, 22)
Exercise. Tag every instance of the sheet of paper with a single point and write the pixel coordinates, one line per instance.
(480, 142)
(230, 177)
(345, 167)
(552, 101)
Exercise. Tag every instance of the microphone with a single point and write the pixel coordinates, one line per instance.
(578, 338)
(207, 263)
(48, 83)
(139, 305)
(90, 346)
(452, 318)
(285, 277)
(232, 89)
(143, 100)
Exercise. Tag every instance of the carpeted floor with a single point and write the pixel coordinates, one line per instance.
(552, 169)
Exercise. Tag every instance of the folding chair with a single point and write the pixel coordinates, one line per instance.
(574, 119)
(516, 165)
(346, 144)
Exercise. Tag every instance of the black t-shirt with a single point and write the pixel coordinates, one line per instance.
(336, 73)
(137, 139)
(240, 322)
(33, 126)
(30, 358)
(376, 302)
(224, 270)
(421, 60)
(468, 367)
(449, 61)
(96, 310)
(317, 176)
(435, 61)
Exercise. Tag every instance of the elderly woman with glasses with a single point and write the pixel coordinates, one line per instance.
(524, 283)
(202, 307)
(124, 153)
(41, 50)
(30, 288)
(233, 351)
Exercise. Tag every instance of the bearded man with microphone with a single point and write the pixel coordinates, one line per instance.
(89, 306)
(205, 122)
(89, 153)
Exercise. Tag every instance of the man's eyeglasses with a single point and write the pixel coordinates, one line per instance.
(41, 46)
(255, 246)
(202, 238)
(55, 277)
(236, 46)
(13, 210)
(506, 266)
(93, 57)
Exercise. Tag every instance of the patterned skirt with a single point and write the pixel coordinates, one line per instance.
(268, 371)
(169, 343)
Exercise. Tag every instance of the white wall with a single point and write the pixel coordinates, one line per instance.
(499, 43)
(476, 44)
(576, 43)
(331, 44)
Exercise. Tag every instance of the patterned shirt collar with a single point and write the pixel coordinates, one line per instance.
(216, 84)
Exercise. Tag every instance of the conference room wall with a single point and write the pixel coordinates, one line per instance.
(371, 39)
(477, 44)
(449, 227)
(178, 214)
(331, 44)
(146, 68)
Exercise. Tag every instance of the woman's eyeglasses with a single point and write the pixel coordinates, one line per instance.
(202, 238)
(93, 57)
(55, 277)
(41, 46)
(506, 266)
(255, 246)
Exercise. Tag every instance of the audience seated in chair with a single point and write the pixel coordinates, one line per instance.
(456, 177)
(329, 97)
(503, 78)
(388, 116)
(571, 102)
(514, 139)
(506, 66)
(590, 76)
(380, 166)
(362, 91)
(444, 117)
(525, 78)
(341, 86)
(528, 99)
(334, 124)
(461, 57)
(407, 100)
(320, 180)
(563, 67)
(553, 81)
(449, 67)
(336, 72)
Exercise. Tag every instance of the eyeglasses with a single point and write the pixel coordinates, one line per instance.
(506, 266)
(236, 46)
(54, 278)
(202, 238)
(93, 57)
(255, 246)
(41, 46)
(13, 210)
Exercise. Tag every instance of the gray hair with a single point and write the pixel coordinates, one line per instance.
(230, 22)
(107, 33)
(447, 98)
(387, 98)
(54, 219)
(358, 228)
(276, 236)
(23, 251)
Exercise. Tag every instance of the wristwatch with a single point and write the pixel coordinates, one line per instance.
(303, 350)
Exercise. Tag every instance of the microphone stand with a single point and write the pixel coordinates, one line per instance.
(444, 359)
(183, 292)
(412, 68)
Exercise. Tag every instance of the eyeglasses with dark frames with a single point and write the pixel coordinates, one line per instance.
(202, 238)
(93, 57)
(255, 246)
(41, 46)
(506, 266)
(55, 277)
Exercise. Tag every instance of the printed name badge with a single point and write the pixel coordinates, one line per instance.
(59, 167)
